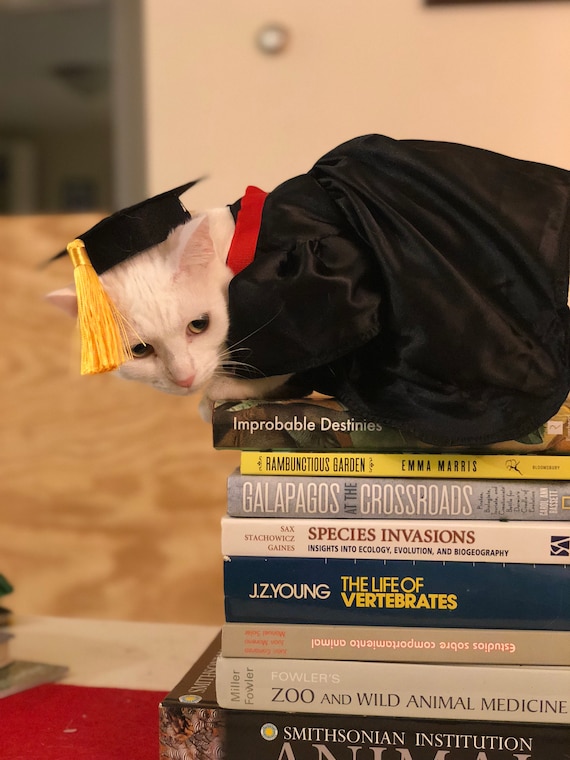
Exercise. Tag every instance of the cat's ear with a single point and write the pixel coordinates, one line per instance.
(65, 299)
(198, 248)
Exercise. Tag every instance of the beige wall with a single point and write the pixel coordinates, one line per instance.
(495, 75)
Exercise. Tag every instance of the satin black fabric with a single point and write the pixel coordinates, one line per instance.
(422, 283)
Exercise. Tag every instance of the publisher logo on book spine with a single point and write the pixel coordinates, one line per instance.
(269, 731)
(560, 546)
(190, 699)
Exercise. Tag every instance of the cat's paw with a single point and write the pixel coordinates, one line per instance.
(231, 388)
(205, 408)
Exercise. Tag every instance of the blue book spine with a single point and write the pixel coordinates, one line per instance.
(397, 593)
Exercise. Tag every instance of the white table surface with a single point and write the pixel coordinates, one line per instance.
(111, 653)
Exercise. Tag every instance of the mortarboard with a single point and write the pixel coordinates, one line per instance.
(111, 241)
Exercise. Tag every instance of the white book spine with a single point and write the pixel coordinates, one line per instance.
(460, 692)
(447, 540)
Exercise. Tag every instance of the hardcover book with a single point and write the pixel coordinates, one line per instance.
(483, 541)
(413, 593)
(318, 423)
(193, 725)
(393, 644)
(397, 689)
(401, 498)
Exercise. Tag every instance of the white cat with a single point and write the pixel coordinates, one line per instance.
(174, 298)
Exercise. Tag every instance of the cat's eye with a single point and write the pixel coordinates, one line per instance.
(197, 326)
(141, 350)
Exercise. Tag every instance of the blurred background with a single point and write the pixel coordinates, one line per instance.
(111, 494)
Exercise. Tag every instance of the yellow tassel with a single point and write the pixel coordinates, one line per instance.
(101, 326)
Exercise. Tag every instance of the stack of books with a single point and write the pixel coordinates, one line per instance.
(384, 599)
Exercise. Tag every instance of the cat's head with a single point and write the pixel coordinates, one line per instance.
(174, 300)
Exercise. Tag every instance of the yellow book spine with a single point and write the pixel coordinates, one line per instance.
(513, 467)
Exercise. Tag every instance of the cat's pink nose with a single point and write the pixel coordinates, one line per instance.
(185, 382)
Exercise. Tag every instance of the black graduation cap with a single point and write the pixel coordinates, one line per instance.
(110, 242)
(134, 229)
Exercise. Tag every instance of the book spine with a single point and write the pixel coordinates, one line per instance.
(483, 541)
(441, 465)
(389, 644)
(396, 498)
(317, 424)
(411, 593)
(475, 692)
(302, 736)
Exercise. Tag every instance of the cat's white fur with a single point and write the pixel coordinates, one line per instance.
(160, 292)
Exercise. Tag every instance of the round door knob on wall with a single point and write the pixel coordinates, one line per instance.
(272, 39)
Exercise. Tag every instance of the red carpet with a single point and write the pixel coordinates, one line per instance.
(60, 722)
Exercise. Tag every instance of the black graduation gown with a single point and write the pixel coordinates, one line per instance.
(422, 283)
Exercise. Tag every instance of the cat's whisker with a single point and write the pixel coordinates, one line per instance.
(227, 354)
(225, 366)
(258, 329)
(228, 360)
(230, 352)
(236, 362)
(240, 365)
